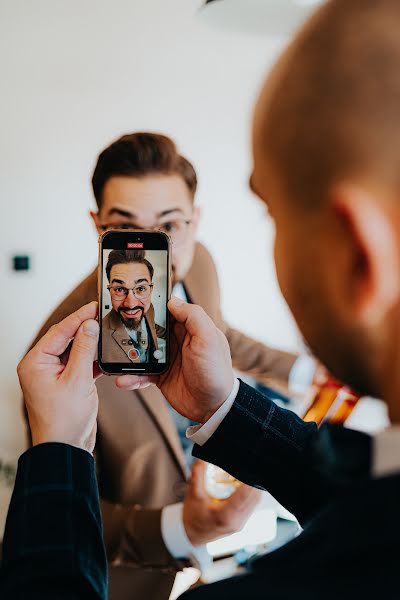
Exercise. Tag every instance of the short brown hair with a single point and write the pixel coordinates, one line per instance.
(124, 257)
(138, 155)
(335, 110)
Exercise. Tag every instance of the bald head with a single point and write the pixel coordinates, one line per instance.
(327, 164)
(331, 108)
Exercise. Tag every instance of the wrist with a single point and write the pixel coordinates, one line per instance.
(48, 438)
(225, 394)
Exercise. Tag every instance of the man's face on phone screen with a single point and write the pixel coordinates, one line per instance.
(130, 292)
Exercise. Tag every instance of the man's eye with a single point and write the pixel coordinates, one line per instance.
(120, 290)
(141, 288)
(168, 227)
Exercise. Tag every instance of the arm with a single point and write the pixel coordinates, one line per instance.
(53, 536)
(53, 541)
(275, 452)
(176, 536)
(133, 536)
(265, 364)
(256, 441)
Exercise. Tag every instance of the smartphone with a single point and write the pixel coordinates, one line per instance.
(134, 288)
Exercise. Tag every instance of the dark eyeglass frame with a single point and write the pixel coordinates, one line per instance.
(127, 290)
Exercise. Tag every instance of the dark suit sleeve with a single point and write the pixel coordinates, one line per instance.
(53, 546)
(269, 448)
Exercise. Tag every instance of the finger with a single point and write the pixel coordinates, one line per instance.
(56, 340)
(134, 382)
(83, 351)
(197, 480)
(193, 317)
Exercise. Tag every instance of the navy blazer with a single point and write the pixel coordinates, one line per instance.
(350, 545)
(53, 540)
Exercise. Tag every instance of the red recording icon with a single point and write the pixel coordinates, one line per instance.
(132, 245)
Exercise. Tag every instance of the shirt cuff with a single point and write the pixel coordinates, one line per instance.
(200, 434)
(302, 374)
(385, 458)
(176, 540)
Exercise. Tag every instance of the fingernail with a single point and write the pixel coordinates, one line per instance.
(176, 301)
(91, 328)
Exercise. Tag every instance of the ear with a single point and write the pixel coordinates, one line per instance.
(196, 218)
(370, 225)
(96, 220)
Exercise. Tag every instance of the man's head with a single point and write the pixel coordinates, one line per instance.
(327, 164)
(141, 181)
(130, 277)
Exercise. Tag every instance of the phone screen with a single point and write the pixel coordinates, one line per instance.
(134, 282)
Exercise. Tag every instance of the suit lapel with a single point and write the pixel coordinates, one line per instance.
(194, 286)
(120, 336)
(201, 284)
(155, 404)
(150, 320)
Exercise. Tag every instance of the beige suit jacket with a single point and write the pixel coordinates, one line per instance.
(141, 467)
(115, 342)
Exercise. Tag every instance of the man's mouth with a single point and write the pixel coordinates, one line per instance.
(131, 313)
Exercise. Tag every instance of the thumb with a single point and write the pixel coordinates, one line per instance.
(193, 317)
(83, 351)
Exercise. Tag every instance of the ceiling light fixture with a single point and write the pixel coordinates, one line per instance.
(266, 17)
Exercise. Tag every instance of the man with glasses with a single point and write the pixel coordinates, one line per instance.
(155, 523)
(130, 333)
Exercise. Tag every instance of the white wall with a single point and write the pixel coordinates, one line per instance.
(75, 75)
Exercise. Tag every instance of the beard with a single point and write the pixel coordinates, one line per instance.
(129, 322)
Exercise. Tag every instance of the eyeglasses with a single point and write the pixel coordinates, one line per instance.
(141, 291)
(176, 229)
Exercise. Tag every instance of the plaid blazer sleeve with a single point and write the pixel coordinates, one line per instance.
(270, 448)
(53, 541)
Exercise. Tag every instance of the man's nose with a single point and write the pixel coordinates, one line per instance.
(129, 299)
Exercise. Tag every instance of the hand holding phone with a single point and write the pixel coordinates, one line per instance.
(134, 288)
(58, 382)
(200, 377)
